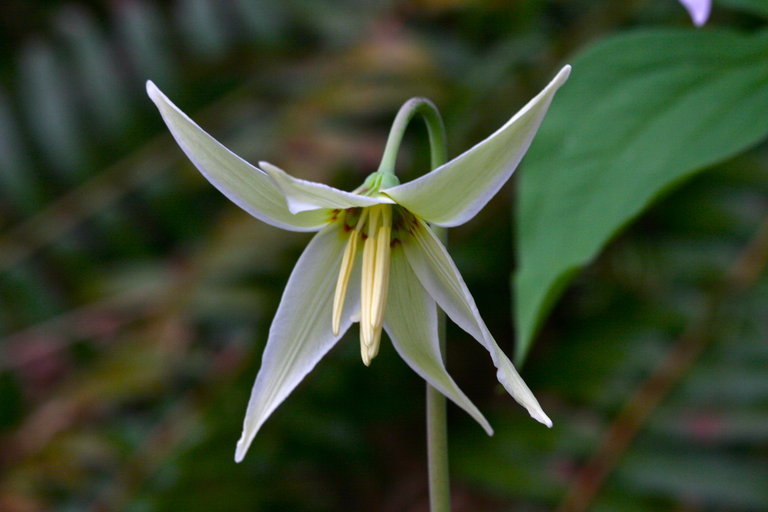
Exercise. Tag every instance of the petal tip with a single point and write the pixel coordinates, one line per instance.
(542, 418)
(153, 92)
(563, 75)
(273, 171)
(240, 451)
(699, 10)
(700, 18)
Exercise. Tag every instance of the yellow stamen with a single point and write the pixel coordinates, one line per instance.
(381, 273)
(376, 223)
(364, 354)
(343, 281)
(347, 263)
(373, 350)
(375, 280)
(366, 291)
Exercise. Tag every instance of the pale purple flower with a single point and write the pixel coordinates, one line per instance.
(698, 9)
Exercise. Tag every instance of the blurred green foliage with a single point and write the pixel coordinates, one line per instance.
(134, 299)
(663, 105)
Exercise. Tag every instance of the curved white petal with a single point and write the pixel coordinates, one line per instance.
(439, 275)
(454, 192)
(300, 334)
(245, 185)
(411, 322)
(303, 195)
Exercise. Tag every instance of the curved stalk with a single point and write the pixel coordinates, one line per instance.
(437, 430)
(427, 110)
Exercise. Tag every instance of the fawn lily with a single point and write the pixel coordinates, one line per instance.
(374, 259)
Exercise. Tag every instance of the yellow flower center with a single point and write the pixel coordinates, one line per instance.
(374, 227)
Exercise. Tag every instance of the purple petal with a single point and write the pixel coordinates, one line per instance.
(698, 9)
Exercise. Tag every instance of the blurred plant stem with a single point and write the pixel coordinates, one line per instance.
(437, 428)
(437, 442)
(741, 275)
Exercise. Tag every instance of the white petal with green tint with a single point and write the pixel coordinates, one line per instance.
(300, 334)
(245, 185)
(303, 195)
(439, 275)
(454, 192)
(411, 323)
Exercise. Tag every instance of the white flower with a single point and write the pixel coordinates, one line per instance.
(374, 259)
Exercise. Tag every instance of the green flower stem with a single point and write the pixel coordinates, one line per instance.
(437, 440)
(427, 110)
(437, 430)
(437, 427)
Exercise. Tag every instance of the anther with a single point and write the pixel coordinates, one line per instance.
(375, 280)
(374, 227)
(342, 283)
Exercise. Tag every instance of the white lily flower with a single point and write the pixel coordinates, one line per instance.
(374, 259)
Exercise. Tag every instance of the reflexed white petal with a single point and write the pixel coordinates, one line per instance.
(454, 192)
(303, 195)
(300, 334)
(411, 322)
(245, 185)
(439, 275)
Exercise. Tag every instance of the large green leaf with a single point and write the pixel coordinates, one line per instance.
(641, 112)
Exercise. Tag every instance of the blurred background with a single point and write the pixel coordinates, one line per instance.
(135, 299)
